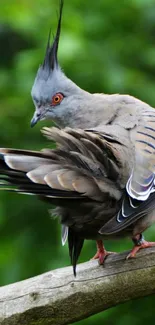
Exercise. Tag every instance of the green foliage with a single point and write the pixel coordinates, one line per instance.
(106, 46)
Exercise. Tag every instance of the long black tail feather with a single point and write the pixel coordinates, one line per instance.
(75, 244)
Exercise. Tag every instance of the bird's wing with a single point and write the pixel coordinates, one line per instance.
(131, 211)
(83, 170)
(83, 165)
(142, 180)
(139, 196)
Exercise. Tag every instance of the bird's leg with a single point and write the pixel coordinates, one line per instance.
(101, 253)
(140, 243)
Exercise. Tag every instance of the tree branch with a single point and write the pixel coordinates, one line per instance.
(58, 298)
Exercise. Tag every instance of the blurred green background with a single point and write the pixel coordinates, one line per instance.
(106, 46)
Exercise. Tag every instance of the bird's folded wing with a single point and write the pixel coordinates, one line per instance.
(132, 210)
(141, 182)
(139, 197)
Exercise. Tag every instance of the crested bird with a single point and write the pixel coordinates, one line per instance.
(101, 175)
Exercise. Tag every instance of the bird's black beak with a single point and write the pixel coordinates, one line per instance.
(35, 119)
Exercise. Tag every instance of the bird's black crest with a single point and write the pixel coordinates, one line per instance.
(50, 60)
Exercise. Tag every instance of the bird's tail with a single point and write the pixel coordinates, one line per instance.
(75, 243)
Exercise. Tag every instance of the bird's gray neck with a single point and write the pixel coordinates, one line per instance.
(85, 110)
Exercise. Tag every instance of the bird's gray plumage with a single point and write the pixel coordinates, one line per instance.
(85, 110)
(102, 175)
(86, 177)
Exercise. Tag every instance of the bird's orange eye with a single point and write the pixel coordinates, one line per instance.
(57, 98)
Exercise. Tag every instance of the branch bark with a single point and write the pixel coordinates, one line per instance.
(58, 298)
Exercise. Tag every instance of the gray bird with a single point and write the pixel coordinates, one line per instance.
(102, 174)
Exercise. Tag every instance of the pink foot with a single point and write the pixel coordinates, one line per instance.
(136, 248)
(101, 254)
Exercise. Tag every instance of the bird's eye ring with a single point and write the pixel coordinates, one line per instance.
(56, 99)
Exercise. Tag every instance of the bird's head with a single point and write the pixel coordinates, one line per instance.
(52, 91)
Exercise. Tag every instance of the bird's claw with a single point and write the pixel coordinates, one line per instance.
(101, 256)
(136, 248)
